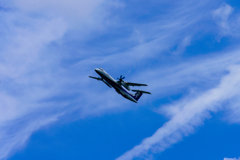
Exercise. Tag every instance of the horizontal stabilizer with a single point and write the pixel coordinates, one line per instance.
(141, 91)
(135, 84)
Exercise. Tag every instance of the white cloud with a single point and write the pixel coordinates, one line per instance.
(200, 70)
(191, 113)
(182, 46)
(221, 16)
(155, 39)
(223, 13)
(227, 20)
(80, 15)
(13, 137)
(232, 114)
(24, 76)
(31, 72)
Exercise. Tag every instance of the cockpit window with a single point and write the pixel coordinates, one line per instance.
(101, 69)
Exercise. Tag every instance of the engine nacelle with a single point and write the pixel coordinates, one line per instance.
(125, 85)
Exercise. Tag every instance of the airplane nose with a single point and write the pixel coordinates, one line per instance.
(96, 70)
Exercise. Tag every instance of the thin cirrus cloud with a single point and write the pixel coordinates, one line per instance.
(221, 16)
(30, 73)
(10, 141)
(81, 14)
(231, 158)
(20, 87)
(188, 113)
(33, 76)
(228, 24)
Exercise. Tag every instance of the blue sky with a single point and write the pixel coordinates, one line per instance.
(186, 51)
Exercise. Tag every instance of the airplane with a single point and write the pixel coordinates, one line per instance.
(120, 86)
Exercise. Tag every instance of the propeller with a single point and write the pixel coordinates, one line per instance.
(121, 81)
(121, 78)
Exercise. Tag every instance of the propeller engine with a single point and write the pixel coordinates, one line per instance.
(122, 82)
(121, 78)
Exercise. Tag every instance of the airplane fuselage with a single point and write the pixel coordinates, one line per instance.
(115, 84)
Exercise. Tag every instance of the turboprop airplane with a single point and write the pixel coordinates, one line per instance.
(120, 86)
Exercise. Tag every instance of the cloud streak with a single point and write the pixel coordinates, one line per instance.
(191, 114)
(13, 138)
(36, 83)
(30, 71)
(228, 22)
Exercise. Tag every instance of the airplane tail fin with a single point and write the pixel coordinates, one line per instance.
(139, 93)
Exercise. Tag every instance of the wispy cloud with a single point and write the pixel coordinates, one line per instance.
(36, 83)
(77, 14)
(13, 137)
(182, 46)
(30, 71)
(222, 14)
(23, 74)
(191, 113)
(226, 19)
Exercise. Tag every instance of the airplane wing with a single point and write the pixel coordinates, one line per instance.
(99, 79)
(135, 84)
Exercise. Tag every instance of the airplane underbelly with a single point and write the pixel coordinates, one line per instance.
(119, 90)
(128, 97)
